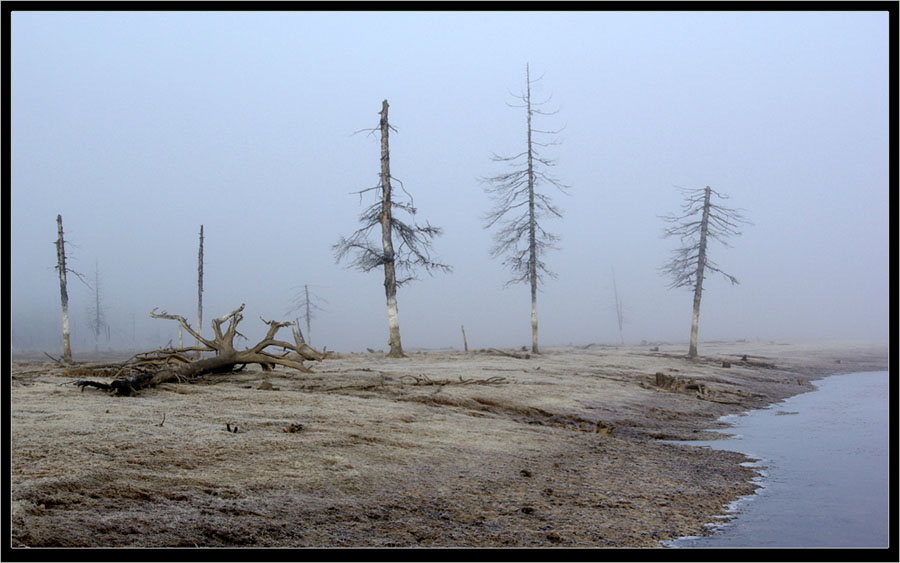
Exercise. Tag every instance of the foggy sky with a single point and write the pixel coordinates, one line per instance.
(139, 127)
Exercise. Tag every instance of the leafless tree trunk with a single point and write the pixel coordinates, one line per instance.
(199, 292)
(63, 292)
(390, 274)
(308, 312)
(690, 261)
(620, 316)
(415, 240)
(306, 303)
(97, 320)
(698, 284)
(517, 189)
(532, 235)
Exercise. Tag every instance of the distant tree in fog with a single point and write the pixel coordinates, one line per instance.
(699, 220)
(306, 305)
(414, 241)
(96, 312)
(620, 314)
(199, 293)
(519, 207)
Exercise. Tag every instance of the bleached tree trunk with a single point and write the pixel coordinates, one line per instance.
(390, 275)
(199, 292)
(532, 235)
(701, 264)
(63, 292)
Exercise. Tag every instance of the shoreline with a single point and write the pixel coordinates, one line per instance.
(753, 439)
(568, 450)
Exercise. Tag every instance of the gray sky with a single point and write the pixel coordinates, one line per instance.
(140, 127)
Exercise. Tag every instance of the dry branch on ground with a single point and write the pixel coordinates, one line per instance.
(152, 368)
(425, 380)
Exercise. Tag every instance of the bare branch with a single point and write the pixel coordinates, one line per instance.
(184, 324)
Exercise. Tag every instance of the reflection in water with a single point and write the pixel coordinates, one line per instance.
(826, 476)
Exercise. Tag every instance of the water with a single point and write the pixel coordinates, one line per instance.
(826, 469)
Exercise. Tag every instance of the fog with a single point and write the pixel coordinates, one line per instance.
(139, 127)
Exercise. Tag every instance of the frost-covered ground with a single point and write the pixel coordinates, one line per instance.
(442, 448)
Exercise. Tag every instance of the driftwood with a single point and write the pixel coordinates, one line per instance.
(425, 380)
(149, 369)
(510, 354)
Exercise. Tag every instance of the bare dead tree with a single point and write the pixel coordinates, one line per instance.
(63, 288)
(520, 207)
(307, 305)
(96, 312)
(414, 248)
(620, 314)
(199, 291)
(63, 292)
(699, 220)
(149, 369)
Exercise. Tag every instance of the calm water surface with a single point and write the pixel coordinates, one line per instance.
(826, 477)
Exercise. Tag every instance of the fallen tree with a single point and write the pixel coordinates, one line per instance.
(149, 369)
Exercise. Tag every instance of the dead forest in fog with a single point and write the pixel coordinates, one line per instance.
(403, 248)
(443, 278)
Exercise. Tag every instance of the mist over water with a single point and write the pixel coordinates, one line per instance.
(826, 475)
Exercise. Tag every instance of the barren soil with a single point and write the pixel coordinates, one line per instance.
(443, 448)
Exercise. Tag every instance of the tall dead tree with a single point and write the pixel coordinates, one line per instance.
(63, 288)
(199, 292)
(63, 291)
(521, 238)
(700, 219)
(414, 241)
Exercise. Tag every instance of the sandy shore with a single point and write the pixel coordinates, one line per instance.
(443, 448)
